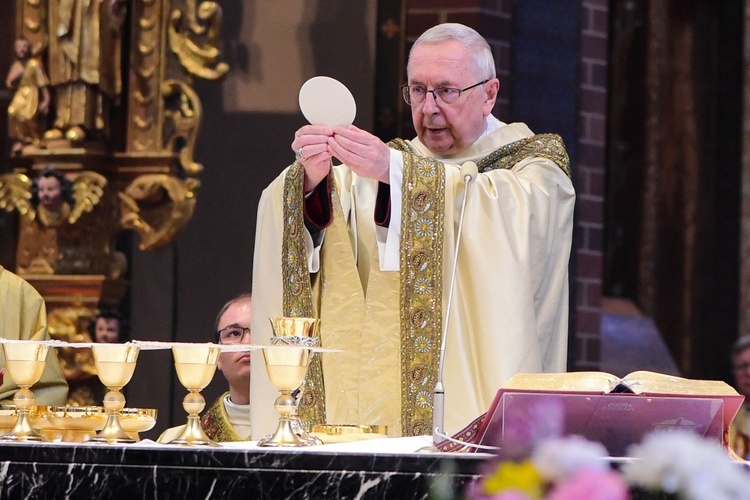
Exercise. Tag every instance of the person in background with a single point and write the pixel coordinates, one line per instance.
(739, 431)
(108, 327)
(23, 316)
(228, 418)
(368, 247)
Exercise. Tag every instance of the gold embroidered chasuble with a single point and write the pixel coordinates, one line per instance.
(215, 422)
(389, 324)
(23, 316)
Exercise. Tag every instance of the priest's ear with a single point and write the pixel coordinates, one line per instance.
(491, 88)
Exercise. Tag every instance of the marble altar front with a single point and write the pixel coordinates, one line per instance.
(149, 470)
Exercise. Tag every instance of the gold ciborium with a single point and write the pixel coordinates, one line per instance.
(286, 364)
(115, 364)
(195, 365)
(24, 362)
(79, 423)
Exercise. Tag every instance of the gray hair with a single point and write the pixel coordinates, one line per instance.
(473, 42)
(741, 344)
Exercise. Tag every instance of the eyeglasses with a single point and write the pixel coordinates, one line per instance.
(415, 95)
(233, 334)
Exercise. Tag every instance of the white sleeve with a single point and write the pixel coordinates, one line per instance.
(313, 250)
(389, 239)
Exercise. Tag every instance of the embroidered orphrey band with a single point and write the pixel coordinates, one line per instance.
(297, 294)
(421, 289)
(549, 146)
(215, 423)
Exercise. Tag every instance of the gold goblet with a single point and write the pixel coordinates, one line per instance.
(301, 332)
(24, 362)
(286, 367)
(195, 365)
(115, 364)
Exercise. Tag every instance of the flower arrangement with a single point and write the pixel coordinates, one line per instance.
(558, 469)
(682, 465)
(666, 464)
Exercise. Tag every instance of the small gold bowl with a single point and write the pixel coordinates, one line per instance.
(8, 417)
(135, 420)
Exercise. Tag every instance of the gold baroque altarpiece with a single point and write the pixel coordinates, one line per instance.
(103, 120)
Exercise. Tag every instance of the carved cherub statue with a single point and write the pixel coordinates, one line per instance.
(50, 207)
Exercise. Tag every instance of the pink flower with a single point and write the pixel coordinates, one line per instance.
(591, 484)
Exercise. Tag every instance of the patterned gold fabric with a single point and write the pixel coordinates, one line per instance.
(215, 422)
(298, 290)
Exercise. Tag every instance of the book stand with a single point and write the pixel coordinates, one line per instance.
(615, 420)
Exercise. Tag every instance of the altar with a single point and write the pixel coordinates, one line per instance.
(236, 470)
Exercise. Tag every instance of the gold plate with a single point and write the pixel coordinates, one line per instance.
(331, 433)
(81, 423)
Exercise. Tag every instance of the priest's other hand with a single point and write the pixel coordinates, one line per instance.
(362, 152)
(310, 147)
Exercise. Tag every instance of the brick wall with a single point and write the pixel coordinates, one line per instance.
(590, 182)
(494, 20)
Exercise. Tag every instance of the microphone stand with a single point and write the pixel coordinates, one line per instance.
(469, 172)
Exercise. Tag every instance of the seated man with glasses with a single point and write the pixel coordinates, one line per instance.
(368, 246)
(228, 418)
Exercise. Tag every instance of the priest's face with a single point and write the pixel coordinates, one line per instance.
(449, 128)
(236, 365)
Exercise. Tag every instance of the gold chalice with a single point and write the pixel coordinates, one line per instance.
(195, 365)
(115, 364)
(24, 362)
(286, 365)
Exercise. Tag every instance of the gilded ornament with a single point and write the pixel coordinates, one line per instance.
(200, 61)
(157, 207)
(182, 123)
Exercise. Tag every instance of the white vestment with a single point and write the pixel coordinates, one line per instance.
(510, 305)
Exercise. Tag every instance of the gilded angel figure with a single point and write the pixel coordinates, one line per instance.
(51, 241)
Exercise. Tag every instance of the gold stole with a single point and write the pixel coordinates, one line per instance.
(215, 423)
(421, 289)
(297, 295)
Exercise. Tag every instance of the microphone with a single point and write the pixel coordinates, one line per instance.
(469, 172)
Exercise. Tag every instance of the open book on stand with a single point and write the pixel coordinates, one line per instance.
(602, 407)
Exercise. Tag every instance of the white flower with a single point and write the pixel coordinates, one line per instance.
(683, 463)
(562, 458)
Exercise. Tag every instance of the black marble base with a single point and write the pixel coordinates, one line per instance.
(136, 472)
